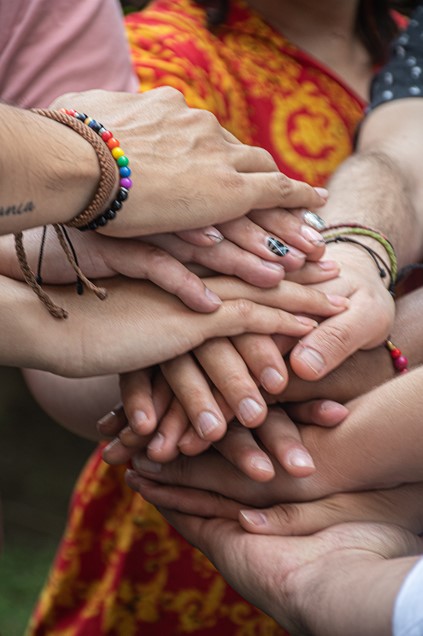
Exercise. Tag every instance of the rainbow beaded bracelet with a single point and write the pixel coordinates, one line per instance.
(122, 162)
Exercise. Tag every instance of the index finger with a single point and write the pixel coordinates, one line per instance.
(276, 190)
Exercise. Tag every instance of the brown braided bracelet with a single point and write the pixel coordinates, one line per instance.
(109, 176)
(105, 192)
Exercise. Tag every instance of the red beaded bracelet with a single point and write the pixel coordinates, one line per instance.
(399, 361)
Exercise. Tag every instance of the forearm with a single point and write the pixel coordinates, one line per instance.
(74, 403)
(380, 442)
(394, 131)
(370, 189)
(48, 173)
(370, 584)
(380, 185)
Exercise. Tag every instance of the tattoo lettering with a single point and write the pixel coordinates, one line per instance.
(21, 208)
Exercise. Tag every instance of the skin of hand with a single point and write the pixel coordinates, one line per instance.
(367, 562)
(169, 143)
(239, 388)
(121, 333)
(368, 369)
(359, 374)
(252, 233)
(365, 325)
(379, 186)
(400, 505)
(162, 441)
(210, 422)
(162, 261)
(267, 368)
(354, 456)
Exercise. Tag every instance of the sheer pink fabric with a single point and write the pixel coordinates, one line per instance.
(50, 48)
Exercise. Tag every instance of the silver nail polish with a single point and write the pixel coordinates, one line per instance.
(277, 247)
(314, 220)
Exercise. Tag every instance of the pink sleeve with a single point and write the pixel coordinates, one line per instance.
(49, 48)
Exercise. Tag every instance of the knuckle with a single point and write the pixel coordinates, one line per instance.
(244, 308)
(283, 185)
(335, 338)
(184, 282)
(286, 516)
(262, 156)
(169, 94)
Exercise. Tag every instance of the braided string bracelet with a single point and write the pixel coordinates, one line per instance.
(343, 232)
(108, 152)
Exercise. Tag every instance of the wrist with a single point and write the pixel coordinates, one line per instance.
(349, 593)
(356, 262)
(381, 253)
(50, 174)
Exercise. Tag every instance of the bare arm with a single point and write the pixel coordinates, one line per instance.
(48, 174)
(379, 186)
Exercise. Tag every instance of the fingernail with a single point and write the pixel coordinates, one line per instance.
(262, 463)
(145, 465)
(299, 458)
(188, 437)
(296, 253)
(305, 320)
(328, 265)
(328, 405)
(314, 220)
(271, 379)
(338, 301)
(207, 423)
(111, 445)
(311, 358)
(249, 409)
(214, 234)
(254, 518)
(276, 266)
(212, 296)
(311, 235)
(106, 419)
(277, 247)
(139, 418)
(156, 444)
(322, 192)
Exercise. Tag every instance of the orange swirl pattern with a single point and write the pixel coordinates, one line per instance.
(121, 570)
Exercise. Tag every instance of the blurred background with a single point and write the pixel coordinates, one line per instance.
(39, 464)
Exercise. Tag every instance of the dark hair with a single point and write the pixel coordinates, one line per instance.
(375, 25)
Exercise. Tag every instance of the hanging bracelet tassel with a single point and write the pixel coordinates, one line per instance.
(29, 276)
(399, 361)
(113, 163)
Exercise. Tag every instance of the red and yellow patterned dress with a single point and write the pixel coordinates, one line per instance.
(121, 570)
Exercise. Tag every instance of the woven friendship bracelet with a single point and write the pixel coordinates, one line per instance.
(108, 177)
(341, 233)
(355, 228)
(108, 151)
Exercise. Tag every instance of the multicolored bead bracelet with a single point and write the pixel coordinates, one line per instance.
(122, 161)
(98, 213)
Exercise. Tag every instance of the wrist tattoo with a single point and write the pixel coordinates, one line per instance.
(20, 208)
